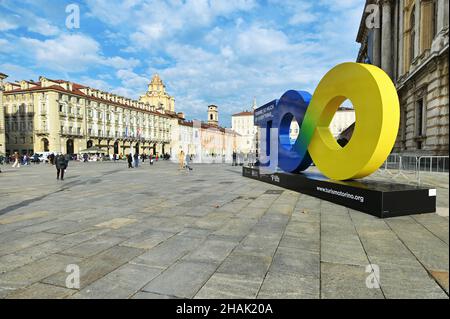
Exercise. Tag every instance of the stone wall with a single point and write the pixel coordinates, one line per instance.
(431, 85)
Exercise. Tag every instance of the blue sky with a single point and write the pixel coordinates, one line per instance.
(222, 52)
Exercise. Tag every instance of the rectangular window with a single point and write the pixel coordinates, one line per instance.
(420, 120)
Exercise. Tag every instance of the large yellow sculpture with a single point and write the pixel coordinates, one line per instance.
(377, 110)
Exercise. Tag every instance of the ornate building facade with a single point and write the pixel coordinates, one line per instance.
(411, 44)
(157, 97)
(61, 116)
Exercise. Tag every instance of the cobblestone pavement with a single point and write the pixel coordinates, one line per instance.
(156, 232)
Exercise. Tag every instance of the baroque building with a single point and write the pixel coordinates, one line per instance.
(408, 39)
(62, 116)
(157, 97)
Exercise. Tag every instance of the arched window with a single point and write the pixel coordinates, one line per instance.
(435, 18)
(428, 24)
(412, 34)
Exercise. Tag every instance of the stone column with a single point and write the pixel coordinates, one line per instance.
(386, 37)
(442, 18)
(376, 47)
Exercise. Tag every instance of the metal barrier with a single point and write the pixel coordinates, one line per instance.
(410, 166)
(432, 164)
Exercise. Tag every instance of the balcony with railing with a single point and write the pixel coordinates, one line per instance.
(42, 131)
(73, 132)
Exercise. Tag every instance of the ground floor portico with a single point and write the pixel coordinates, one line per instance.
(74, 144)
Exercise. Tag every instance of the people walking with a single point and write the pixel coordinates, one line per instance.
(188, 160)
(61, 163)
(130, 160)
(151, 159)
(51, 158)
(2, 159)
(234, 159)
(16, 160)
(181, 159)
(136, 159)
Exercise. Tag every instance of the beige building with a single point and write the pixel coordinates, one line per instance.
(411, 45)
(2, 117)
(343, 118)
(61, 116)
(207, 142)
(243, 124)
(157, 97)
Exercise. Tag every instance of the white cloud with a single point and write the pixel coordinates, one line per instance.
(5, 46)
(259, 40)
(154, 22)
(6, 25)
(17, 72)
(131, 84)
(21, 16)
(95, 83)
(71, 53)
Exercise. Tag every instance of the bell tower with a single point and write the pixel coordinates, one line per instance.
(213, 115)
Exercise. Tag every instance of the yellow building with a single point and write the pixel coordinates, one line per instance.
(157, 96)
(61, 116)
(2, 117)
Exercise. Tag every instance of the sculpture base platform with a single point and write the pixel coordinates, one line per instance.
(376, 198)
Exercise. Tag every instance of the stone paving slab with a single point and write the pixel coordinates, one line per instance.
(229, 286)
(41, 291)
(340, 281)
(183, 280)
(36, 271)
(95, 267)
(279, 285)
(208, 234)
(121, 283)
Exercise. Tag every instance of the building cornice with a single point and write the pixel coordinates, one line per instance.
(78, 93)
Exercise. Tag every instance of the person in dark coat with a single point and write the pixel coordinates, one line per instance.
(136, 159)
(234, 159)
(61, 162)
(130, 160)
